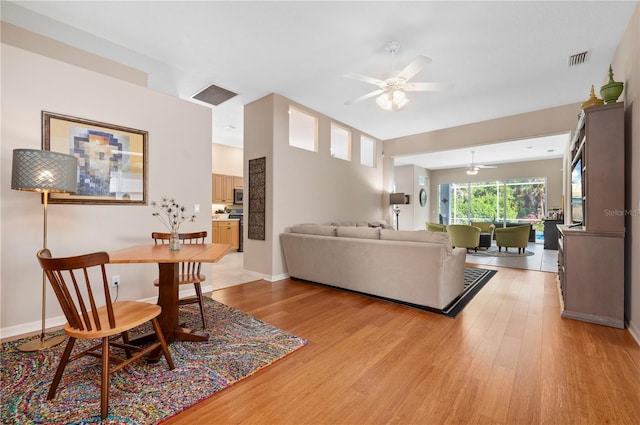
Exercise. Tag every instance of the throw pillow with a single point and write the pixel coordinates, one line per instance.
(416, 236)
(344, 223)
(314, 229)
(358, 232)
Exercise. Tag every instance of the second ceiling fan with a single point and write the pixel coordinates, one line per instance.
(473, 168)
(391, 91)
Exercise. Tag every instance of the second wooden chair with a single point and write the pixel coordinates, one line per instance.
(189, 272)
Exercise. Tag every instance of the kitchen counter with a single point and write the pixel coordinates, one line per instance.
(225, 219)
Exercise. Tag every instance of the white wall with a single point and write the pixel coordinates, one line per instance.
(304, 186)
(227, 160)
(626, 68)
(179, 163)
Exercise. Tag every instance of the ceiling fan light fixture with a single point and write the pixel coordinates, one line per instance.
(472, 171)
(384, 102)
(396, 83)
(399, 97)
(392, 100)
(402, 104)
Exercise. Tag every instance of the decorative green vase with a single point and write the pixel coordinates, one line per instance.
(611, 91)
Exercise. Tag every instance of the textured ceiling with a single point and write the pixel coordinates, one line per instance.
(503, 58)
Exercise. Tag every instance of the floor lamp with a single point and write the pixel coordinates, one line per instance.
(45, 172)
(396, 199)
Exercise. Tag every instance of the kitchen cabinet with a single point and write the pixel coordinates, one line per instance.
(222, 186)
(226, 231)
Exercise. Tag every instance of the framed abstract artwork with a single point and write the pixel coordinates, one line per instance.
(112, 160)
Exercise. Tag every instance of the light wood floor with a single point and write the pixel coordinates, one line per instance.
(508, 358)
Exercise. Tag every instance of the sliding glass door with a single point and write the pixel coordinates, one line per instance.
(501, 201)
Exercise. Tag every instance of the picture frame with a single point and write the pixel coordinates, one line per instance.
(423, 197)
(112, 159)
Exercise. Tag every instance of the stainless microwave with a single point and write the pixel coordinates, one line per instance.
(237, 196)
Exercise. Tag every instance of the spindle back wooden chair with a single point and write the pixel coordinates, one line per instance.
(70, 278)
(189, 271)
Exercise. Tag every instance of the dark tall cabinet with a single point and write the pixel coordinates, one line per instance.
(551, 233)
(591, 256)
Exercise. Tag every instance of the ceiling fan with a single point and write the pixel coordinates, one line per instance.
(391, 91)
(473, 168)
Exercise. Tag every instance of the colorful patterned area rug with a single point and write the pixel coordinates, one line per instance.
(142, 393)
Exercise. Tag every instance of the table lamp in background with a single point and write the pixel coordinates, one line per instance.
(396, 199)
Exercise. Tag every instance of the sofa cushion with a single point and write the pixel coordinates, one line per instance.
(358, 232)
(417, 236)
(314, 229)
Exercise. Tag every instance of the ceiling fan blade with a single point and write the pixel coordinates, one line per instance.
(427, 86)
(485, 166)
(414, 67)
(364, 96)
(364, 78)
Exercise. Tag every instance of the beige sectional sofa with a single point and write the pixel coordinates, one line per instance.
(415, 267)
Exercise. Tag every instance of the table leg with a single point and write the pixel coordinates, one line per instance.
(168, 300)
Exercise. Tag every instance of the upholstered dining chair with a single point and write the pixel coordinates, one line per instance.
(70, 278)
(189, 272)
(464, 236)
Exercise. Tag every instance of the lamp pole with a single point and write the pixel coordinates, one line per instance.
(43, 343)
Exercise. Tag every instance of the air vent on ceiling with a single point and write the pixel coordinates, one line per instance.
(578, 58)
(214, 95)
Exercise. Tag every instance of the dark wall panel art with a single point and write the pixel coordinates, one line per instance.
(257, 198)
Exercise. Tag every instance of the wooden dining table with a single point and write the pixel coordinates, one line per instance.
(169, 269)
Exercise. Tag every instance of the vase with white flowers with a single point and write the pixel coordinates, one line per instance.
(172, 215)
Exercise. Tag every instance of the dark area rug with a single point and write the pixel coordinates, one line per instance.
(493, 252)
(142, 393)
(474, 280)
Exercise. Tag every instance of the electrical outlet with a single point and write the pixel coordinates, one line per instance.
(115, 280)
(196, 208)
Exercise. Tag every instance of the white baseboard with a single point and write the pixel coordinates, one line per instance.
(634, 331)
(277, 277)
(256, 276)
(31, 327)
(56, 322)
